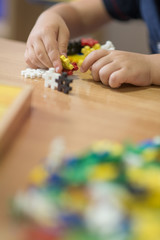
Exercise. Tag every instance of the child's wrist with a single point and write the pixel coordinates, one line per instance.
(154, 69)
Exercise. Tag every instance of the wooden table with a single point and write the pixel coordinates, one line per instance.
(90, 112)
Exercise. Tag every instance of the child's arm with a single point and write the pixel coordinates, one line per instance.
(116, 67)
(49, 37)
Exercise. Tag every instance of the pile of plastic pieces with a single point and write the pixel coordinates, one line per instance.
(109, 191)
(79, 49)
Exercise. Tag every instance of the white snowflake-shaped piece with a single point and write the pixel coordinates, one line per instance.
(50, 77)
(33, 73)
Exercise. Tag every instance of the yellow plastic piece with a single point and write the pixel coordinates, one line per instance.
(147, 226)
(149, 178)
(38, 176)
(77, 196)
(77, 59)
(150, 155)
(103, 172)
(66, 63)
(86, 50)
(115, 149)
(96, 46)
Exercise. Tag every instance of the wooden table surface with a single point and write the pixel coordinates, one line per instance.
(90, 112)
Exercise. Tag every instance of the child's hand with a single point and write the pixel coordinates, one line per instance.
(116, 67)
(47, 41)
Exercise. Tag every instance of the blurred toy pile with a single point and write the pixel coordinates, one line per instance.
(110, 191)
(79, 49)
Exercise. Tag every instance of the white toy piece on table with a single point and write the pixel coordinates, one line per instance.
(108, 46)
(50, 77)
(33, 73)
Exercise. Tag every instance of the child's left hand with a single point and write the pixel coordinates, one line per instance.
(115, 67)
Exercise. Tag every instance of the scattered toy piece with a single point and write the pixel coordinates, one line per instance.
(86, 50)
(64, 83)
(88, 42)
(50, 77)
(74, 47)
(70, 72)
(66, 63)
(33, 73)
(108, 46)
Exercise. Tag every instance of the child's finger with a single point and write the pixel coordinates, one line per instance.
(63, 39)
(33, 59)
(92, 58)
(27, 60)
(121, 76)
(106, 71)
(100, 63)
(51, 47)
(117, 78)
(41, 54)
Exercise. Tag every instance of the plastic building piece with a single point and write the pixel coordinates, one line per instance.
(38, 176)
(39, 234)
(88, 42)
(67, 88)
(75, 67)
(77, 58)
(50, 77)
(96, 46)
(108, 46)
(55, 155)
(70, 72)
(86, 50)
(33, 203)
(64, 83)
(66, 63)
(87, 45)
(33, 73)
(74, 47)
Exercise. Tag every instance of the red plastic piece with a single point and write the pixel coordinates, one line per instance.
(88, 42)
(40, 234)
(70, 72)
(75, 66)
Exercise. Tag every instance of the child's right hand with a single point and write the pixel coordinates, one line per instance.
(47, 41)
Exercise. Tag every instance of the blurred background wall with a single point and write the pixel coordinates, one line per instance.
(17, 18)
(127, 36)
